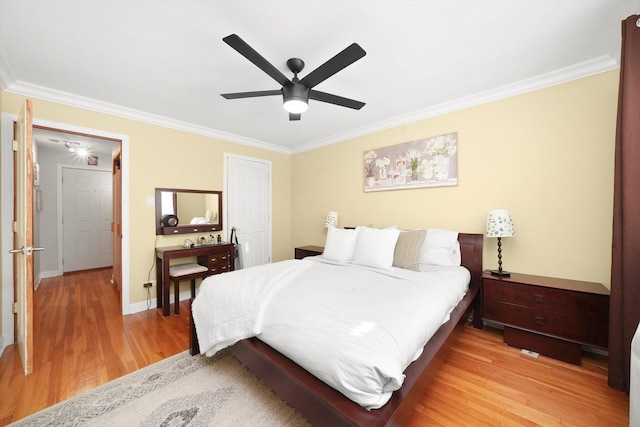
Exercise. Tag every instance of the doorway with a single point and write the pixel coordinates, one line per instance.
(7, 210)
(66, 206)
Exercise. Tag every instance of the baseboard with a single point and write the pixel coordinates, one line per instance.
(2, 346)
(152, 303)
(47, 274)
(594, 350)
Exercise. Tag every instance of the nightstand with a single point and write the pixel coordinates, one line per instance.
(547, 315)
(305, 251)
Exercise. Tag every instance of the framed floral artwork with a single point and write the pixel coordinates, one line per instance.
(428, 162)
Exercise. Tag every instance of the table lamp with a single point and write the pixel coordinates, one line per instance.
(499, 224)
(332, 219)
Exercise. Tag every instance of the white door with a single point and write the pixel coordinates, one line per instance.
(248, 195)
(87, 214)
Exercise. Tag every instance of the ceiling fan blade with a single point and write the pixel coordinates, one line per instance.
(335, 99)
(254, 94)
(293, 116)
(342, 60)
(258, 60)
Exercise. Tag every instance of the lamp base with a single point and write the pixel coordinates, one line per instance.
(501, 273)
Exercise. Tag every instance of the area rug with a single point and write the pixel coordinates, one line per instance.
(182, 390)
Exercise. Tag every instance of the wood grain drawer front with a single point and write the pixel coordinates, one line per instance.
(219, 263)
(581, 304)
(566, 326)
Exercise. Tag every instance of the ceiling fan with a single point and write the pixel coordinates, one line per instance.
(295, 92)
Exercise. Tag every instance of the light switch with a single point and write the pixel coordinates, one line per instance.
(150, 201)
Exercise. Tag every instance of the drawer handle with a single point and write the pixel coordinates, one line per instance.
(538, 298)
(224, 257)
(538, 320)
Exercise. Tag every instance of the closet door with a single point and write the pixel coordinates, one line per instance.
(248, 196)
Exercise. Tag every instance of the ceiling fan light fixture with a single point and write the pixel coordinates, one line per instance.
(295, 106)
(82, 152)
(296, 92)
(296, 98)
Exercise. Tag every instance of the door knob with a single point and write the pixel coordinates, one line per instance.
(25, 250)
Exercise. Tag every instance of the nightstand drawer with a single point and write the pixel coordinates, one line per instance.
(549, 315)
(589, 306)
(570, 327)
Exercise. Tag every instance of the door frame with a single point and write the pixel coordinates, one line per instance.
(6, 195)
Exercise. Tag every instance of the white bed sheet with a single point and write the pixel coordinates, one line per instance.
(355, 328)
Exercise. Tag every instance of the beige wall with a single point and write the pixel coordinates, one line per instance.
(547, 156)
(162, 157)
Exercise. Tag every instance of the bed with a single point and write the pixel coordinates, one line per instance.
(324, 405)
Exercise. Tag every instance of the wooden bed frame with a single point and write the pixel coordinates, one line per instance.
(322, 405)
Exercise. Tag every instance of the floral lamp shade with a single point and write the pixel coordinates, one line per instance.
(332, 219)
(499, 224)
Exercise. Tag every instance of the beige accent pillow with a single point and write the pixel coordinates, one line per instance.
(407, 253)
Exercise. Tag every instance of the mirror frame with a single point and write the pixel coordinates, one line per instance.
(187, 228)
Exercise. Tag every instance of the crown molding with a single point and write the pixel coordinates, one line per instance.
(585, 69)
(60, 97)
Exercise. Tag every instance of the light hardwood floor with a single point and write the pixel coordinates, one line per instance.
(82, 341)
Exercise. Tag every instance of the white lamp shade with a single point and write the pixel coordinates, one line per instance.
(499, 224)
(332, 219)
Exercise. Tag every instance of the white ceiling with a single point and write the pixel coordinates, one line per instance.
(165, 61)
(60, 140)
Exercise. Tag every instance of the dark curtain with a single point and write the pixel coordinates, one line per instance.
(625, 268)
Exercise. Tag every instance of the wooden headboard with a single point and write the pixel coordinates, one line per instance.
(471, 253)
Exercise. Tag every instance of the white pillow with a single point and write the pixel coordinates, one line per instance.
(441, 247)
(375, 247)
(340, 244)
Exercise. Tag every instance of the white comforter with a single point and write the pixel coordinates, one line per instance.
(355, 328)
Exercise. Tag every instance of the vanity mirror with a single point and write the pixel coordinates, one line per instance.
(181, 211)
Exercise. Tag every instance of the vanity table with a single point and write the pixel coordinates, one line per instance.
(218, 258)
(187, 211)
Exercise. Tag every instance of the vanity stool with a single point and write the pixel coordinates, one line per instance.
(180, 272)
